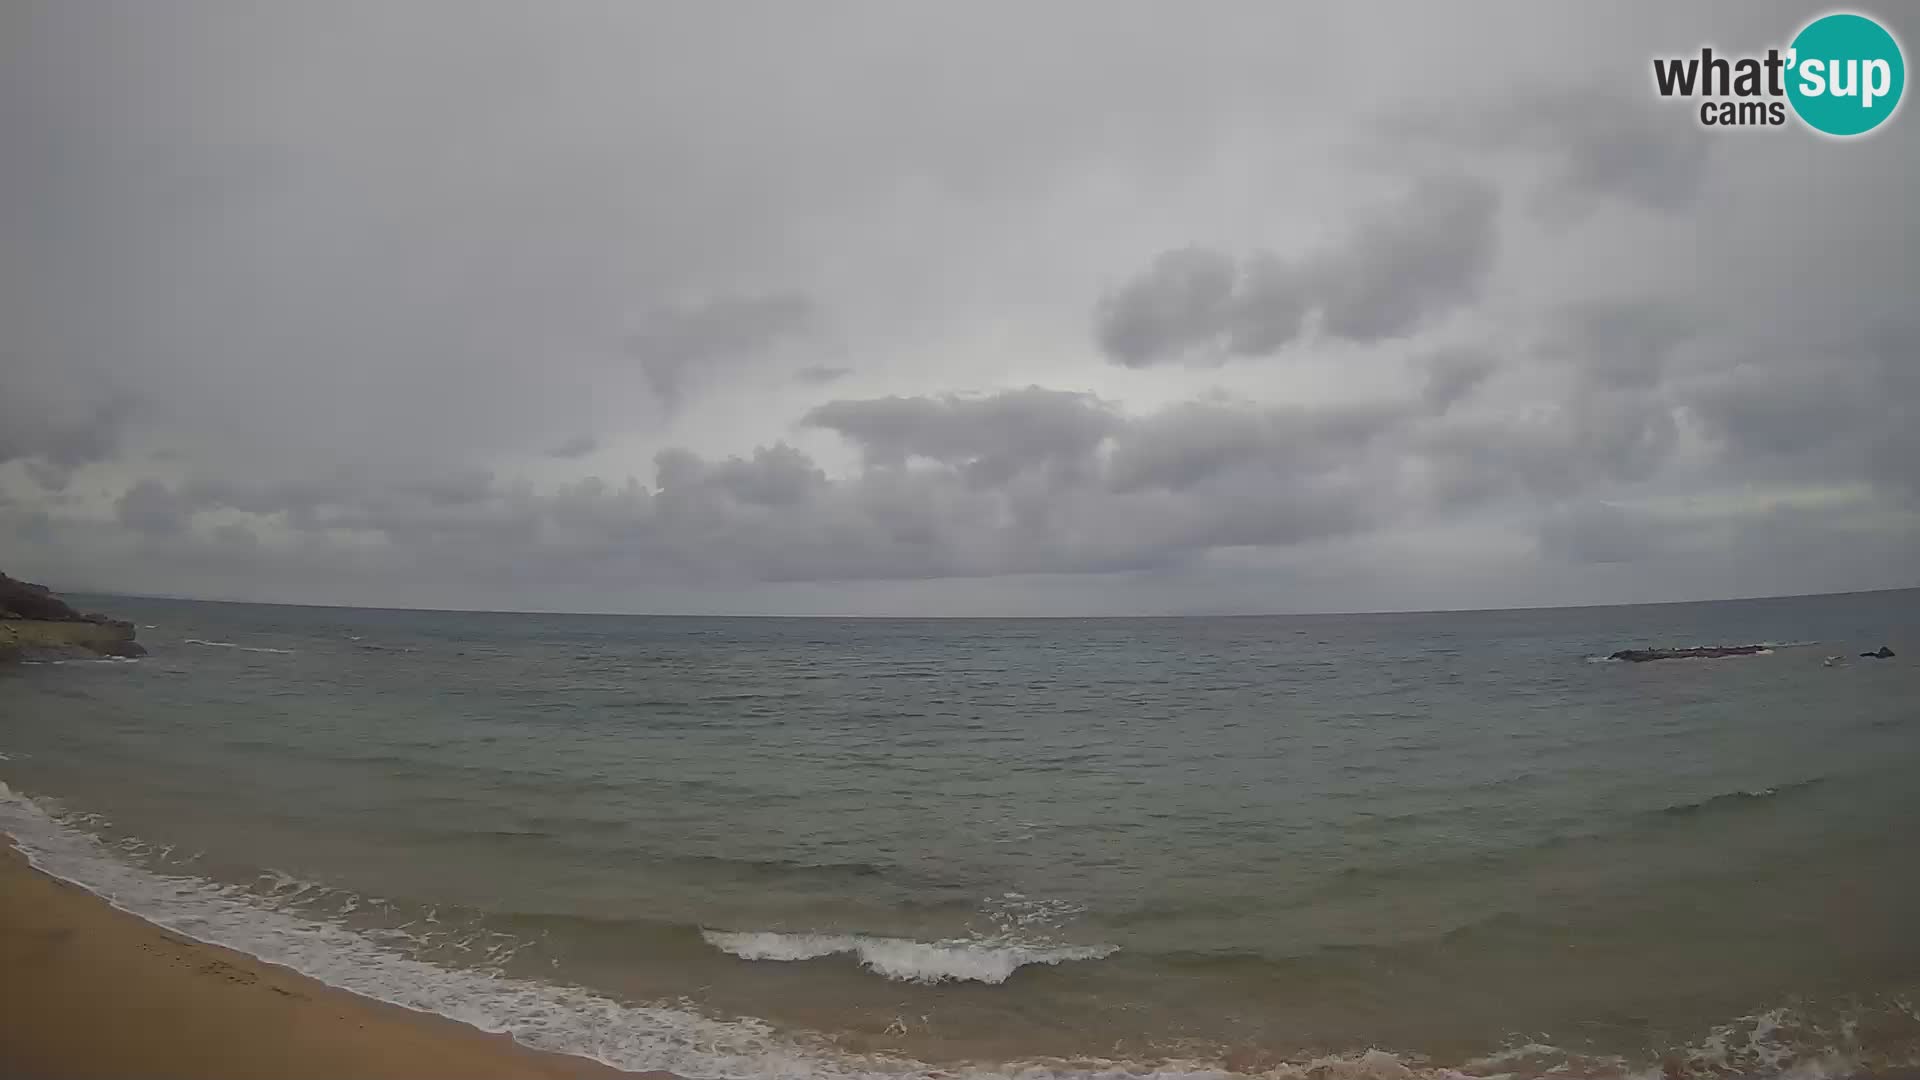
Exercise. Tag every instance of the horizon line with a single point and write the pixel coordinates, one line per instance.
(927, 618)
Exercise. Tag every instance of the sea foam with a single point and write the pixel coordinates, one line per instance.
(985, 960)
(231, 645)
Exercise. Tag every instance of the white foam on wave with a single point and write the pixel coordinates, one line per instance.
(549, 1017)
(984, 960)
(231, 645)
(546, 1016)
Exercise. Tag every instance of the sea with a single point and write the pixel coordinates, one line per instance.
(1327, 846)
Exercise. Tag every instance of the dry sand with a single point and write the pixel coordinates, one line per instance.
(87, 990)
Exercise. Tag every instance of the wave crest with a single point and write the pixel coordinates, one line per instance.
(903, 959)
(231, 645)
(1736, 798)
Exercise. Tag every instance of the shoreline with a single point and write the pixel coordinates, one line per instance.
(92, 990)
(167, 1005)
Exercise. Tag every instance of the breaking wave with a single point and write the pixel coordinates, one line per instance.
(231, 645)
(903, 959)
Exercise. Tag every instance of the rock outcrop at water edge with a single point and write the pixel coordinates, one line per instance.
(33, 621)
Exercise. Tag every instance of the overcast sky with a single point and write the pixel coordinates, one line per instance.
(915, 308)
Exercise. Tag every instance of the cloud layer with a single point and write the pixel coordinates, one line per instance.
(482, 306)
(1403, 266)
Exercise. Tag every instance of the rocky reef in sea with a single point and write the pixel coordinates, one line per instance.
(1698, 652)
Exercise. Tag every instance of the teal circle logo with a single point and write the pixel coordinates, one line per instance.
(1846, 74)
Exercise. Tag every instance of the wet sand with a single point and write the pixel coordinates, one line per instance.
(90, 991)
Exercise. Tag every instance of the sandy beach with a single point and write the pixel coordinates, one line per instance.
(91, 991)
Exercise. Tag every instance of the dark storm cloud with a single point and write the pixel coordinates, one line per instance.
(677, 344)
(1400, 267)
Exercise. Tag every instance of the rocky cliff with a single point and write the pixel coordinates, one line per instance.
(34, 621)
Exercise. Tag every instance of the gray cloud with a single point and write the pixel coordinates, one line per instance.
(1596, 532)
(152, 507)
(677, 344)
(1400, 267)
(990, 437)
(1625, 342)
(1588, 438)
(1188, 445)
(1606, 144)
(1021, 481)
(1828, 410)
(56, 441)
(821, 374)
(1585, 143)
(577, 447)
(388, 288)
(1411, 263)
(1187, 298)
(776, 476)
(1453, 374)
(1843, 543)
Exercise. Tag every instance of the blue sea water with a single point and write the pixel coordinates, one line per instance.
(800, 846)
